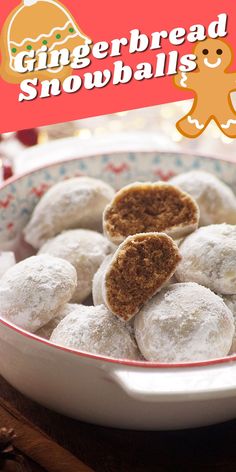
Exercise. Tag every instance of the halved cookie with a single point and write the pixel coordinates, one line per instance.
(147, 207)
(140, 267)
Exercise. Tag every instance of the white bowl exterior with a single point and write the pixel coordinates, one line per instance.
(94, 390)
(115, 395)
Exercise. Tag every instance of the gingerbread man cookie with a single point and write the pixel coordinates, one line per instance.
(212, 84)
(38, 25)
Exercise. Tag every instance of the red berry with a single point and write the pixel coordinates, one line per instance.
(7, 170)
(28, 137)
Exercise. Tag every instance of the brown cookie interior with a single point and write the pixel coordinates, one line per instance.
(141, 209)
(144, 263)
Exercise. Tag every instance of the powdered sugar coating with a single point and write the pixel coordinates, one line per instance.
(85, 250)
(96, 330)
(7, 260)
(46, 330)
(230, 301)
(216, 200)
(73, 203)
(209, 258)
(98, 284)
(98, 281)
(32, 291)
(129, 279)
(185, 322)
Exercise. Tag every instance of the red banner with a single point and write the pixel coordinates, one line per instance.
(124, 35)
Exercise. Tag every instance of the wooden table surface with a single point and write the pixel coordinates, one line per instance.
(109, 450)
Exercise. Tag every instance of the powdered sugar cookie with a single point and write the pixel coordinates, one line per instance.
(230, 301)
(46, 330)
(209, 258)
(96, 330)
(73, 203)
(7, 260)
(98, 281)
(139, 268)
(216, 201)
(38, 26)
(85, 250)
(32, 291)
(147, 207)
(184, 323)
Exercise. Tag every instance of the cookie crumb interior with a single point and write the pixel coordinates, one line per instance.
(146, 208)
(143, 265)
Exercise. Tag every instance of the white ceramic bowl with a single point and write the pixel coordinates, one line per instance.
(123, 394)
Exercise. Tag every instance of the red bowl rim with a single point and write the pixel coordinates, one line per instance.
(125, 362)
(110, 360)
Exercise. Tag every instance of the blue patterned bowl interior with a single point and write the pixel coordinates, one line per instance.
(19, 197)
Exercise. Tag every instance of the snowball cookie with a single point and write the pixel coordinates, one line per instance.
(184, 323)
(73, 203)
(140, 267)
(32, 291)
(96, 330)
(147, 207)
(209, 258)
(99, 278)
(216, 201)
(97, 289)
(85, 250)
(98, 281)
(7, 260)
(230, 301)
(46, 331)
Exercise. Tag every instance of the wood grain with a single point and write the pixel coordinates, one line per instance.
(35, 445)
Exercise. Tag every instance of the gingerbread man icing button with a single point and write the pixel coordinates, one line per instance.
(212, 84)
(36, 26)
